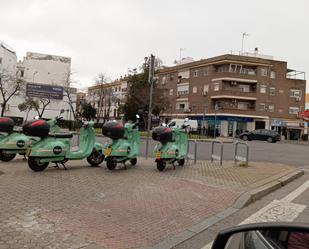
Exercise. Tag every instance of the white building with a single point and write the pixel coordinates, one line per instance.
(45, 76)
(107, 98)
(8, 59)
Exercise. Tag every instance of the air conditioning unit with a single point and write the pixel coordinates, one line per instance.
(233, 83)
(204, 93)
(298, 99)
(186, 110)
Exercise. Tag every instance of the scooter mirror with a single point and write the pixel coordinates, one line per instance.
(36, 117)
(137, 116)
(164, 124)
(186, 120)
(61, 111)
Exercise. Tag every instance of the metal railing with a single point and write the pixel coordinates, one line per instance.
(217, 157)
(238, 157)
(189, 156)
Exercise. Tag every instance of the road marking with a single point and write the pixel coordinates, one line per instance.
(277, 210)
(293, 195)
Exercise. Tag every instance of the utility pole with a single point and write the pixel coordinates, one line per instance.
(150, 80)
(242, 41)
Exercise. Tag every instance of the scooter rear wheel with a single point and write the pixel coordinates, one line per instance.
(6, 157)
(161, 165)
(111, 163)
(95, 158)
(35, 165)
(133, 161)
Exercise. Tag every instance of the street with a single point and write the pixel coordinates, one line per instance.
(289, 203)
(260, 151)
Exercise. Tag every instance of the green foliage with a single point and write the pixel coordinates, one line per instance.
(88, 111)
(138, 95)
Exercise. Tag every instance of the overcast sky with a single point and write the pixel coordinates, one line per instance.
(111, 36)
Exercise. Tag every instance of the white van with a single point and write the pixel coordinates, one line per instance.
(179, 122)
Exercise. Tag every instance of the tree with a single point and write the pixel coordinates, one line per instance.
(88, 111)
(28, 105)
(138, 95)
(10, 85)
(44, 102)
(70, 93)
(99, 94)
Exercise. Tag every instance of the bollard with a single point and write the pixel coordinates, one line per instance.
(195, 151)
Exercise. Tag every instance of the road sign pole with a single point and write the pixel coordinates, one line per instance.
(150, 80)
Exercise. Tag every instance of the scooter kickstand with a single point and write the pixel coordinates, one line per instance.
(124, 165)
(173, 163)
(56, 165)
(65, 168)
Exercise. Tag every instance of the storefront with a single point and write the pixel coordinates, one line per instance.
(294, 130)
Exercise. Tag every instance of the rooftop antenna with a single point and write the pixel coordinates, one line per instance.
(180, 54)
(242, 41)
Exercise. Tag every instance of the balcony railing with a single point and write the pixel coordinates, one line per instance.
(234, 93)
(234, 110)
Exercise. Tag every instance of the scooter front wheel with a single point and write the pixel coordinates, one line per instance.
(181, 162)
(133, 161)
(161, 165)
(95, 158)
(111, 163)
(5, 157)
(35, 165)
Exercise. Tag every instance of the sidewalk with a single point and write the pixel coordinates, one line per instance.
(140, 207)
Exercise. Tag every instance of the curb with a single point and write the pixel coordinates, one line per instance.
(243, 200)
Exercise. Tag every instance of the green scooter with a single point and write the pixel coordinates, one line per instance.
(125, 143)
(14, 141)
(55, 148)
(173, 145)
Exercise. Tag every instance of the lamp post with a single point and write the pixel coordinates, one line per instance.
(216, 109)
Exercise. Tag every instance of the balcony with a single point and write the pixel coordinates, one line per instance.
(233, 94)
(228, 110)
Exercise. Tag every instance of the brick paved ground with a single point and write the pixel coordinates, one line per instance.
(132, 208)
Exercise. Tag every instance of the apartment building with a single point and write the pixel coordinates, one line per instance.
(106, 98)
(236, 93)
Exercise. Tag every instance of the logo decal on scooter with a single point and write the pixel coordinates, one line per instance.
(20, 143)
(57, 150)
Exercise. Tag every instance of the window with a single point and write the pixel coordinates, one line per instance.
(171, 91)
(264, 71)
(271, 108)
(263, 89)
(242, 105)
(194, 89)
(195, 73)
(0, 60)
(244, 88)
(163, 80)
(182, 89)
(293, 110)
(206, 89)
(272, 91)
(272, 74)
(22, 73)
(182, 105)
(262, 107)
(295, 93)
(216, 87)
(206, 71)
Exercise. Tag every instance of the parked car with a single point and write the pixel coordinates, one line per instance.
(270, 136)
(179, 122)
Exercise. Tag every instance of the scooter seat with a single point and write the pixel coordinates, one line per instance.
(61, 135)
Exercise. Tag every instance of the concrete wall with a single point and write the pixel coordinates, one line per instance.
(8, 60)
